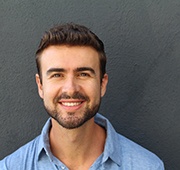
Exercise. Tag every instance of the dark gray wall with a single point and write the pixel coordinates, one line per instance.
(142, 40)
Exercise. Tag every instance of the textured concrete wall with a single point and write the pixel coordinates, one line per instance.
(142, 40)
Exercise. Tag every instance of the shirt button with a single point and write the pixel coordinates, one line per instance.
(62, 167)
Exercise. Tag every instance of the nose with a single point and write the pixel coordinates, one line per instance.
(70, 85)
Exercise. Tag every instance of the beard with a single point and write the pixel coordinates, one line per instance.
(71, 121)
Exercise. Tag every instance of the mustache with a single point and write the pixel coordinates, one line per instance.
(75, 95)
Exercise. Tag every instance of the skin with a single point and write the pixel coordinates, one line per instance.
(71, 90)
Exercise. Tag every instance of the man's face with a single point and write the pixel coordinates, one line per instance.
(71, 87)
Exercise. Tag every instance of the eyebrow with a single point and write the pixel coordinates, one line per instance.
(79, 69)
(51, 70)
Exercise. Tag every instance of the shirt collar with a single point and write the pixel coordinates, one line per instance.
(44, 140)
(112, 148)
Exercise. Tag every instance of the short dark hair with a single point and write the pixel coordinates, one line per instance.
(73, 35)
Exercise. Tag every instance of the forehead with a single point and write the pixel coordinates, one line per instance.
(69, 57)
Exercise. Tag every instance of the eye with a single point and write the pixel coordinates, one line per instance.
(84, 75)
(56, 75)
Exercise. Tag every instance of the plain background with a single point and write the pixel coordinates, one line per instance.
(142, 41)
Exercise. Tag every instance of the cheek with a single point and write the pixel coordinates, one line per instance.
(50, 91)
(94, 92)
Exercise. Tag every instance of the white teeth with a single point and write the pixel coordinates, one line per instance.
(71, 104)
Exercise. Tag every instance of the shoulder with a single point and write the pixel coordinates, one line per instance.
(138, 156)
(125, 152)
(21, 156)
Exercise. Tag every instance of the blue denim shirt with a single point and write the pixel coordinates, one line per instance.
(119, 154)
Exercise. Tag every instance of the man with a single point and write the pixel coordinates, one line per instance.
(71, 80)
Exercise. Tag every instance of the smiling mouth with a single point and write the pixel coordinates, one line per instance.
(71, 104)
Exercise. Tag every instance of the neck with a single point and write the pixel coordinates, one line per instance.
(77, 148)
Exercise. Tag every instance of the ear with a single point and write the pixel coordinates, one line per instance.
(40, 86)
(104, 84)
